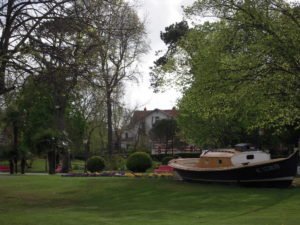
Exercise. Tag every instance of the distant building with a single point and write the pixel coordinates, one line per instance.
(141, 123)
(137, 133)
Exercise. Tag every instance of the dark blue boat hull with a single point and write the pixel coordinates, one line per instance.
(278, 173)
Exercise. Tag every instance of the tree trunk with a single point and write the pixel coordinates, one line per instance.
(109, 125)
(2, 76)
(65, 161)
(15, 147)
(46, 163)
(16, 164)
(23, 164)
(51, 162)
(11, 166)
(60, 125)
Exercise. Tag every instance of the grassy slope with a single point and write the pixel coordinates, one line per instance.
(43, 200)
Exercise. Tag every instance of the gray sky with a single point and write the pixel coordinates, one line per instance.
(158, 14)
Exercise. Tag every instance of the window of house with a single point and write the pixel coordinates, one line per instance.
(220, 161)
(126, 135)
(250, 156)
(155, 119)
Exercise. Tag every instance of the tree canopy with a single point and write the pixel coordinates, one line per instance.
(62, 66)
(244, 71)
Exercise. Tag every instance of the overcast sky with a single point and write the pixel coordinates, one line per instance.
(158, 14)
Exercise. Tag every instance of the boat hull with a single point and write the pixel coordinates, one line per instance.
(276, 173)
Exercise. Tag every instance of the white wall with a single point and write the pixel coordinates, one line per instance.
(151, 119)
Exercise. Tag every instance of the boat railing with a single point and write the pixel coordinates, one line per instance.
(219, 150)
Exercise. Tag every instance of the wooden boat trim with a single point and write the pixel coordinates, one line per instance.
(176, 164)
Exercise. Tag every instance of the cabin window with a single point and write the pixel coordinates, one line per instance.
(250, 156)
(220, 161)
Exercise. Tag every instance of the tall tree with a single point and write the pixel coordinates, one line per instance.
(59, 50)
(18, 19)
(244, 70)
(118, 35)
(165, 131)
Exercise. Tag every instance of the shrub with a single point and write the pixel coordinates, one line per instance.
(116, 163)
(95, 164)
(139, 162)
(165, 160)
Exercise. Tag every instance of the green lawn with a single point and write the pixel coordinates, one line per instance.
(43, 200)
(39, 166)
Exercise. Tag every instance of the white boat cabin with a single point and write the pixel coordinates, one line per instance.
(231, 158)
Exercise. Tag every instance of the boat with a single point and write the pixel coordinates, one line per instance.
(241, 165)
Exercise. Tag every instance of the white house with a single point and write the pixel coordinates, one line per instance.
(141, 123)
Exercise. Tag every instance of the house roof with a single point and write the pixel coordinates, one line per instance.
(140, 115)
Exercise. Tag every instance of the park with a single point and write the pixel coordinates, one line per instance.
(75, 148)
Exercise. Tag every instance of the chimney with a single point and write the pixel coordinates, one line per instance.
(145, 109)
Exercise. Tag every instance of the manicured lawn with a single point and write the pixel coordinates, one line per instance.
(43, 200)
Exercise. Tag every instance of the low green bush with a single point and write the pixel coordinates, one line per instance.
(116, 162)
(139, 162)
(166, 159)
(95, 164)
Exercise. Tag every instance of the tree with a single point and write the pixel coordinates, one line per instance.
(13, 120)
(171, 60)
(89, 103)
(118, 35)
(60, 48)
(18, 20)
(165, 131)
(244, 71)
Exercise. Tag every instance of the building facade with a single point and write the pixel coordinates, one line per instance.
(137, 132)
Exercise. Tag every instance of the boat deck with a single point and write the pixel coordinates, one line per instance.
(192, 164)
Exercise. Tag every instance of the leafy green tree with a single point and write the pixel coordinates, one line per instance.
(14, 123)
(244, 71)
(39, 132)
(19, 19)
(118, 37)
(37, 107)
(165, 131)
(59, 47)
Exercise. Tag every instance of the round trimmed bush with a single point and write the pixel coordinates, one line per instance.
(95, 164)
(139, 162)
(165, 160)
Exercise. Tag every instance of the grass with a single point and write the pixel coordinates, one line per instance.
(39, 166)
(45, 200)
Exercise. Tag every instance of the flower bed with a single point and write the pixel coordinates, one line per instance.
(118, 174)
(4, 168)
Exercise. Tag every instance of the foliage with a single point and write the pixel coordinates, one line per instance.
(172, 35)
(118, 38)
(76, 125)
(19, 20)
(45, 140)
(166, 160)
(164, 130)
(95, 164)
(5, 152)
(244, 72)
(116, 162)
(139, 162)
(172, 60)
